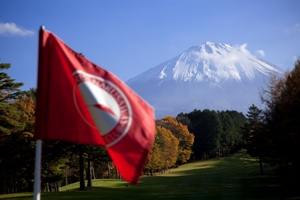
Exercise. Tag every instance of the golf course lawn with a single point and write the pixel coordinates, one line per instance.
(234, 177)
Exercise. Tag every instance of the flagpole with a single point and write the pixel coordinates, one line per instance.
(38, 148)
(37, 170)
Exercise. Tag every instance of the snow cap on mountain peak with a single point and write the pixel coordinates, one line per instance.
(214, 76)
(209, 62)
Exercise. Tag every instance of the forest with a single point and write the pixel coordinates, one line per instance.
(270, 134)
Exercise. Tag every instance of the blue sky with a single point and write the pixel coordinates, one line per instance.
(127, 37)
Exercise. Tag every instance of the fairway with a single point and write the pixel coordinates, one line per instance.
(234, 177)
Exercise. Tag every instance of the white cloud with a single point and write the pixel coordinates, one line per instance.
(13, 29)
(261, 52)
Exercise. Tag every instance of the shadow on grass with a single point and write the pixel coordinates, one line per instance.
(235, 177)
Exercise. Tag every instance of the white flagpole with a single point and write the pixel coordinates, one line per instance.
(37, 170)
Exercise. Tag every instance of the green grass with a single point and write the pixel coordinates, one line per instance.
(234, 177)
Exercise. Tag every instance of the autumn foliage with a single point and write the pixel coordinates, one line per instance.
(172, 146)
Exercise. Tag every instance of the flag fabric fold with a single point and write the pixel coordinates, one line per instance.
(78, 101)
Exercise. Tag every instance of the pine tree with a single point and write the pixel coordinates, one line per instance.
(9, 120)
(227, 138)
(9, 91)
(253, 133)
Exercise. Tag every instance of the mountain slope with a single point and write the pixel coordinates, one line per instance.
(213, 75)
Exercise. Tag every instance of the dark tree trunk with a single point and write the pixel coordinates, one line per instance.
(66, 176)
(93, 172)
(1, 183)
(260, 166)
(81, 168)
(88, 173)
(30, 186)
(50, 187)
(57, 187)
(108, 168)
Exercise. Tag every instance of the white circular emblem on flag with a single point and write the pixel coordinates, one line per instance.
(107, 104)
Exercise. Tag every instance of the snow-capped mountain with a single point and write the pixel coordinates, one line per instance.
(216, 76)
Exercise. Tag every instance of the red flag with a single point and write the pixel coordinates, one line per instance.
(78, 101)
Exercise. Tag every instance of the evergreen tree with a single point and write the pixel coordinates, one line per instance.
(239, 121)
(207, 128)
(11, 121)
(254, 123)
(9, 91)
(254, 137)
(227, 137)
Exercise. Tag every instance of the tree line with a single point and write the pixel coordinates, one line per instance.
(217, 133)
(273, 133)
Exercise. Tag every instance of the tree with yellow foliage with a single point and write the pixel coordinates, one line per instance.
(181, 132)
(164, 151)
